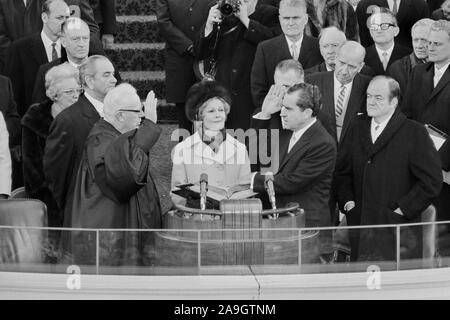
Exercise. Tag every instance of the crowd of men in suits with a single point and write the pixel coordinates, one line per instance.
(351, 139)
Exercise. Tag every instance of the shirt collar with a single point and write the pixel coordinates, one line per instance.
(441, 70)
(338, 84)
(382, 124)
(73, 64)
(98, 105)
(297, 43)
(299, 133)
(389, 51)
(47, 42)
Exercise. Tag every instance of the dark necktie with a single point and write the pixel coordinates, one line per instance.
(54, 53)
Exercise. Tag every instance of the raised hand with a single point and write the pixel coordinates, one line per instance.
(150, 106)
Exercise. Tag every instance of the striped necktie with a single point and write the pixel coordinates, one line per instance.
(294, 51)
(340, 102)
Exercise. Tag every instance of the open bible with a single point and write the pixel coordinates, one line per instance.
(215, 193)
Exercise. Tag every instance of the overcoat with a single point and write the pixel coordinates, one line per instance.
(400, 170)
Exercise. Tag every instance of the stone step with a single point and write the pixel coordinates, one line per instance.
(137, 56)
(144, 81)
(135, 7)
(140, 29)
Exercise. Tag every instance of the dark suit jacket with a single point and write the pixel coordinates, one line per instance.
(269, 53)
(373, 60)
(365, 70)
(105, 15)
(429, 105)
(39, 92)
(401, 69)
(179, 23)
(409, 12)
(25, 58)
(356, 102)
(9, 110)
(64, 147)
(305, 173)
(16, 21)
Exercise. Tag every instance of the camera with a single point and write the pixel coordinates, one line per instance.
(228, 7)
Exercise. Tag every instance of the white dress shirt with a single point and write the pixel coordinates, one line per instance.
(438, 73)
(391, 5)
(49, 48)
(379, 127)
(98, 105)
(296, 135)
(5, 159)
(298, 45)
(388, 51)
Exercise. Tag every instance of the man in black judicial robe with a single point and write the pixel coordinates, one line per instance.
(114, 188)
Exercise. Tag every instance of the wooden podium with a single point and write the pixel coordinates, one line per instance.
(240, 233)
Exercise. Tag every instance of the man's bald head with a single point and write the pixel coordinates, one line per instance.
(349, 61)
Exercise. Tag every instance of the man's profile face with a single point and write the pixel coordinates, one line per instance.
(103, 79)
(379, 102)
(382, 21)
(287, 78)
(292, 116)
(59, 13)
(420, 41)
(292, 21)
(76, 40)
(438, 46)
(348, 64)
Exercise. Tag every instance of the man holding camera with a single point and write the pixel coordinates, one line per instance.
(229, 42)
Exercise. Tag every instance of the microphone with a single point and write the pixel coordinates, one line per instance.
(203, 190)
(270, 189)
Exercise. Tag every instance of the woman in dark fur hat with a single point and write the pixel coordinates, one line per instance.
(62, 89)
(210, 149)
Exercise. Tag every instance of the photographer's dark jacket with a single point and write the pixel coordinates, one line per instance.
(235, 54)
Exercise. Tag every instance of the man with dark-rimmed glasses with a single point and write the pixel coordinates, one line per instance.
(383, 30)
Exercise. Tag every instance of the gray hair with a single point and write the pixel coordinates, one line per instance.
(293, 4)
(88, 68)
(441, 25)
(116, 97)
(426, 22)
(324, 31)
(73, 23)
(290, 64)
(57, 74)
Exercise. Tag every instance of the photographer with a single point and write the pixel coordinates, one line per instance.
(231, 42)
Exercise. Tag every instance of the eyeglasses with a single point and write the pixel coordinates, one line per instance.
(383, 26)
(72, 92)
(133, 110)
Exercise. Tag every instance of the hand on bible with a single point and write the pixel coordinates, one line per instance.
(150, 106)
